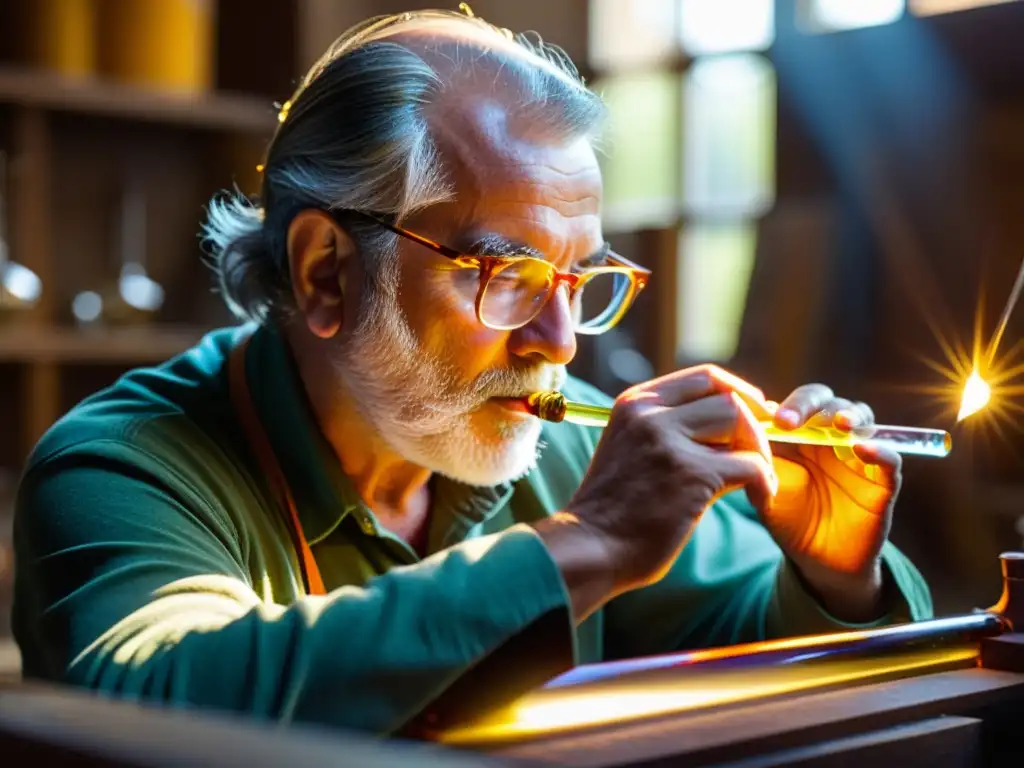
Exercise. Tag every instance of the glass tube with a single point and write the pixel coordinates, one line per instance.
(908, 440)
(914, 441)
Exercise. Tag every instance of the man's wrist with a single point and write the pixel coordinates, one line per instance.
(585, 559)
(850, 598)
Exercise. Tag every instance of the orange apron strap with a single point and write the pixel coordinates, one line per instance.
(241, 400)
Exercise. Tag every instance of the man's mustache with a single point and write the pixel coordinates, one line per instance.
(520, 383)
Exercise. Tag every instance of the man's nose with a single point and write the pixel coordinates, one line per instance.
(550, 335)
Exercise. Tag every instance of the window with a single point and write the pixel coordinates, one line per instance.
(641, 152)
(728, 181)
(716, 262)
(725, 26)
(631, 34)
(729, 136)
(834, 15)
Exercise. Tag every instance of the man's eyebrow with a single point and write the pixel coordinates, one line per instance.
(499, 245)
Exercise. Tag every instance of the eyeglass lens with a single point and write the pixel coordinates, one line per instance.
(516, 294)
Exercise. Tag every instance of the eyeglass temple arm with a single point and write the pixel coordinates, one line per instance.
(381, 220)
(623, 261)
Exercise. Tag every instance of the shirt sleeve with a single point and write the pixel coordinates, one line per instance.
(732, 584)
(128, 584)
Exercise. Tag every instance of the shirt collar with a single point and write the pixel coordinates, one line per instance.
(323, 494)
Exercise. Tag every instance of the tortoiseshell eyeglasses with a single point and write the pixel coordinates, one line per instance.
(512, 290)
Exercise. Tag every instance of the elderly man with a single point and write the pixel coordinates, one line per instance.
(341, 513)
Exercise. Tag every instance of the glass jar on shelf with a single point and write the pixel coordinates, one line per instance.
(20, 287)
(133, 297)
(162, 44)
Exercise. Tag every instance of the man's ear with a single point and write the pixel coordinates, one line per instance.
(320, 255)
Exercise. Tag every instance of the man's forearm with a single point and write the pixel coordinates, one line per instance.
(584, 560)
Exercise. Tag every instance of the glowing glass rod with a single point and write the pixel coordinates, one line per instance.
(936, 443)
(1004, 319)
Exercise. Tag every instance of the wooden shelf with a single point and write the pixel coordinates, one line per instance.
(137, 345)
(228, 112)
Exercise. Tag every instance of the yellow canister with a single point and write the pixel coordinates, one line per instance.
(61, 36)
(159, 43)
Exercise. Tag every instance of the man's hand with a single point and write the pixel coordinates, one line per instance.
(834, 507)
(671, 447)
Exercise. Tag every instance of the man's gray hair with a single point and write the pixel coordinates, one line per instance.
(354, 138)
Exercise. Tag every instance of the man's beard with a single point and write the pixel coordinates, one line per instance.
(421, 407)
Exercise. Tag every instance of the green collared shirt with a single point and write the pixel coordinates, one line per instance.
(152, 563)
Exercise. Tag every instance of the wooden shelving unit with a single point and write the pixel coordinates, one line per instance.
(71, 141)
(46, 113)
(29, 88)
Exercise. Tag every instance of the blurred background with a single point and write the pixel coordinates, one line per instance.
(826, 190)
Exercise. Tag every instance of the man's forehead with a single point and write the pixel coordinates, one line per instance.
(484, 157)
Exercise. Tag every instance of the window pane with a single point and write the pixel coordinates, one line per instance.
(627, 33)
(832, 15)
(932, 7)
(723, 26)
(729, 136)
(716, 262)
(640, 158)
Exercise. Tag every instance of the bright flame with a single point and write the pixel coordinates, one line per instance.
(983, 381)
(976, 395)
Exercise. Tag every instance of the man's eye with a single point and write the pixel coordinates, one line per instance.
(463, 277)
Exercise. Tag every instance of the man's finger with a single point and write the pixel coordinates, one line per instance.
(749, 470)
(710, 420)
(884, 465)
(749, 435)
(723, 420)
(854, 415)
(802, 404)
(691, 384)
(829, 415)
